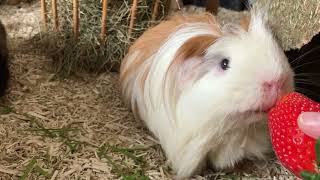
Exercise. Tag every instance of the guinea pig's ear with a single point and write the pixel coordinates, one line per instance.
(256, 21)
(238, 28)
(245, 22)
(189, 55)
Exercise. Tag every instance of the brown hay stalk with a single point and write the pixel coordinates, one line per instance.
(76, 18)
(133, 17)
(179, 2)
(44, 13)
(104, 20)
(55, 16)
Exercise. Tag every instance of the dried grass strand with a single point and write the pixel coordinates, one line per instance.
(179, 4)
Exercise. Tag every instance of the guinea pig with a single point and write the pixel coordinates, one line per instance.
(4, 70)
(204, 89)
(236, 5)
(194, 5)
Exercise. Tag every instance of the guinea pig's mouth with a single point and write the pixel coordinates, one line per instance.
(257, 111)
(263, 108)
(268, 102)
(264, 104)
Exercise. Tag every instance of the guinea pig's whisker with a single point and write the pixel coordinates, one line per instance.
(303, 79)
(306, 91)
(305, 54)
(308, 82)
(260, 108)
(304, 64)
(254, 127)
(306, 74)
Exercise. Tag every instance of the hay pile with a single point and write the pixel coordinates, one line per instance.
(295, 22)
(88, 53)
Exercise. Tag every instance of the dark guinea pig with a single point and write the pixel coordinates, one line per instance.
(4, 69)
(210, 5)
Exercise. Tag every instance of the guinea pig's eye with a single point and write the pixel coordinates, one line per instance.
(224, 64)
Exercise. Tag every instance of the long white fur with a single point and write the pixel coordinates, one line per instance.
(203, 122)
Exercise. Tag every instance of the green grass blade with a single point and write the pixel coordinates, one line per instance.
(127, 152)
(6, 110)
(62, 133)
(59, 130)
(28, 169)
(126, 173)
(41, 127)
(115, 167)
(41, 171)
(309, 176)
(53, 133)
(101, 151)
(102, 154)
(73, 145)
(318, 152)
(136, 175)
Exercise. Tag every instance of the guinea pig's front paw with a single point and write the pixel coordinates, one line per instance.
(252, 143)
(225, 158)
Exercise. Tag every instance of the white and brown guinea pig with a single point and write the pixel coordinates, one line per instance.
(204, 90)
(4, 70)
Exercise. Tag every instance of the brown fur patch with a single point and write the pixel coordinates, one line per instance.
(195, 47)
(245, 22)
(153, 38)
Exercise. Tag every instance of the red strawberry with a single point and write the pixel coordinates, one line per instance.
(294, 149)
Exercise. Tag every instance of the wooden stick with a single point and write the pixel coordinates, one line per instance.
(104, 20)
(76, 18)
(44, 13)
(155, 10)
(55, 16)
(133, 17)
